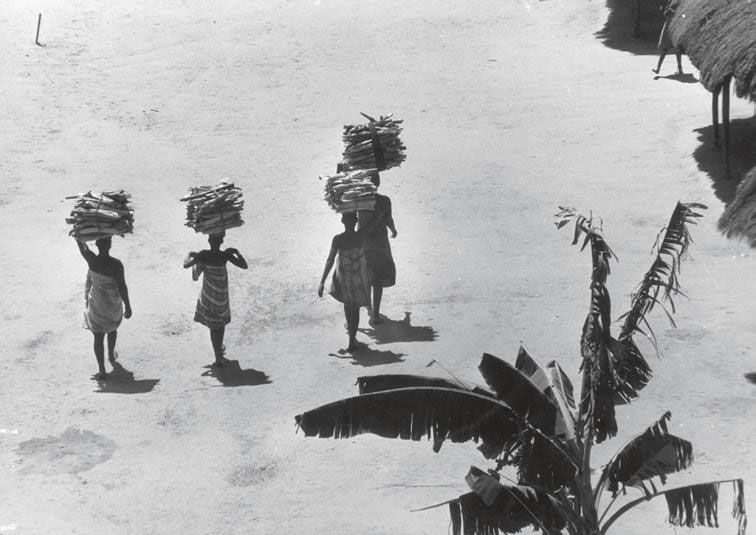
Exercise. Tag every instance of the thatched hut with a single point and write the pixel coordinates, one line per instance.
(739, 218)
(719, 37)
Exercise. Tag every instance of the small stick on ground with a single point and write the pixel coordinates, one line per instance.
(39, 22)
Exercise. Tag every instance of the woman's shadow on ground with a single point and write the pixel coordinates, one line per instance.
(683, 78)
(121, 381)
(367, 356)
(386, 332)
(231, 374)
(742, 156)
(390, 331)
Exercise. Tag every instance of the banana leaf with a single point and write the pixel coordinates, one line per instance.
(413, 413)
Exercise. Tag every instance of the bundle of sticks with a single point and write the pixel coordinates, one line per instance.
(101, 216)
(214, 209)
(350, 191)
(375, 145)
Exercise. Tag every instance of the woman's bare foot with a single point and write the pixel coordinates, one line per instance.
(101, 376)
(655, 71)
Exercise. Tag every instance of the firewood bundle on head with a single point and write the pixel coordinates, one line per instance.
(375, 145)
(350, 191)
(101, 216)
(214, 209)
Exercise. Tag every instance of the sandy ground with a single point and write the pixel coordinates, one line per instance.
(511, 108)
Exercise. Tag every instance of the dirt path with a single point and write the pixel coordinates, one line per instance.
(511, 109)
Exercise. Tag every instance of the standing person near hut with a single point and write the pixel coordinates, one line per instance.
(380, 262)
(665, 41)
(213, 309)
(105, 297)
(350, 279)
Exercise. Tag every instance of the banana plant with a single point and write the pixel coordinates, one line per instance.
(529, 419)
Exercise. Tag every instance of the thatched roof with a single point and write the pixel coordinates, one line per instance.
(739, 218)
(719, 37)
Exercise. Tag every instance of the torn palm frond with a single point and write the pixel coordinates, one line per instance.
(654, 453)
(599, 384)
(413, 413)
(584, 227)
(696, 505)
(599, 381)
(658, 287)
(492, 508)
(378, 383)
(660, 283)
(632, 372)
(692, 505)
(540, 463)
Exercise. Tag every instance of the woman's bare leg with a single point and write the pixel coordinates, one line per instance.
(351, 331)
(661, 60)
(216, 338)
(112, 337)
(377, 296)
(99, 351)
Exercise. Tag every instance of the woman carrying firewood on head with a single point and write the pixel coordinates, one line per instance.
(350, 280)
(105, 297)
(380, 262)
(213, 309)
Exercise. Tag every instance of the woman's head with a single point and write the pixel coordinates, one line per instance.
(104, 244)
(349, 219)
(215, 240)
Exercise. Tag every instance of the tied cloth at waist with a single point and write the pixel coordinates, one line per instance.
(104, 309)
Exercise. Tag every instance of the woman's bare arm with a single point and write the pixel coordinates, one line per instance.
(87, 287)
(390, 219)
(83, 249)
(235, 257)
(328, 266)
(190, 259)
(123, 291)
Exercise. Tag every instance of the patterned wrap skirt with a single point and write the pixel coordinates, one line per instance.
(350, 279)
(104, 310)
(213, 309)
(380, 263)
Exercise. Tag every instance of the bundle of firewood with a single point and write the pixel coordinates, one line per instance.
(375, 145)
(350, 191)
(214, 209)
(101, 216)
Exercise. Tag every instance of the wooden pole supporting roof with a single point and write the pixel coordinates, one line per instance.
(719, 37)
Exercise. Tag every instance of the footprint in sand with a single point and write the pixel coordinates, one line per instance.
(75, 450)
